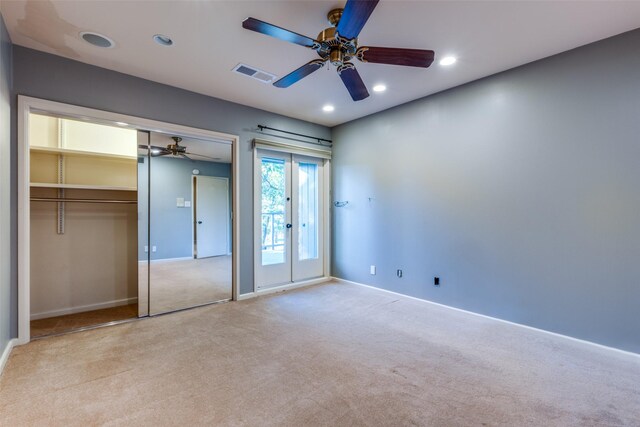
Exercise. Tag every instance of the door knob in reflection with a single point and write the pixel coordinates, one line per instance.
(199, 222)
(288, 225)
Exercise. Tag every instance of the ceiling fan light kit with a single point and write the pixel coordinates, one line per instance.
(338, 45)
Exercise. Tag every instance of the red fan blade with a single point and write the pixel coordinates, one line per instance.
(396, 56)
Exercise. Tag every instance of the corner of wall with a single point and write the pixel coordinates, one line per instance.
(7, 270)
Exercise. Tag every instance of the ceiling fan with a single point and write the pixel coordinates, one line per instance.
(339, 44)
(174, 149)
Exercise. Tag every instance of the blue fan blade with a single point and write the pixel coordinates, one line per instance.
(277, 32)
(355, 15)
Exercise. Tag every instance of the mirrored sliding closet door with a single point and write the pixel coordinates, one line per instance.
(189, 238)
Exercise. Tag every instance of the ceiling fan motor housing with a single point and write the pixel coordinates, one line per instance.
(334, 48)
(334, 16)
(176, 148)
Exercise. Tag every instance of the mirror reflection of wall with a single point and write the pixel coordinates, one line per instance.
(190, 223)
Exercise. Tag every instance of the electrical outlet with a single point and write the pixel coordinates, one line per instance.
(153, 248)
(436, 281)
(372, 269)
(399, 273)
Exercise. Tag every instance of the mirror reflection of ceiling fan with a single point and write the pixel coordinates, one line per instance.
(339, 44)
(176, 150)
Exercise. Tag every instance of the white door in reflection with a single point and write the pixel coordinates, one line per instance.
(211, 215)
(289, 223)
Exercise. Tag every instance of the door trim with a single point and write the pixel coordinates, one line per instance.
(26, 105)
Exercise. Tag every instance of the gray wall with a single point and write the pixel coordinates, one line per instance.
(55, 78)
(171, 226)
(520, 191)
(5, 187)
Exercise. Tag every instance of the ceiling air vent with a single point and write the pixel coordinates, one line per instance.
(254, 73)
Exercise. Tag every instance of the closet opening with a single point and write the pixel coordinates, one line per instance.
(120, 218)
(83, 222)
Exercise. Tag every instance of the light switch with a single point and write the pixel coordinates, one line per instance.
(187, 203)
(153, 248)
(146, 248)
(180, 202)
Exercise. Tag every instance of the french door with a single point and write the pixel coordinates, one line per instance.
(289, 222)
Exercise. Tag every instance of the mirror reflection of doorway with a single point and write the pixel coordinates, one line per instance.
(189, 251)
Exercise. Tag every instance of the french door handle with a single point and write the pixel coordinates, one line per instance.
(199, 222)
(288, 225)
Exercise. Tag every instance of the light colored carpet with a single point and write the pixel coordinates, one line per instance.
(178, 284)
(69, 322)
(333, 355)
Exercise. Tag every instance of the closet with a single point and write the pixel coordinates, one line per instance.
(83, 224)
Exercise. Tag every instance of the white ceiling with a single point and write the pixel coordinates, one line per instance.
(487, 37)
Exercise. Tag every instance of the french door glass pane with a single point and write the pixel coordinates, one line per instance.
(307, 211)
(273, 197)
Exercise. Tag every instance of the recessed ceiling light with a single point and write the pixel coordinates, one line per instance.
(379, 88)
(163, 40)
(328, 108)
(448, 60)
(122, 124)
(96, 39)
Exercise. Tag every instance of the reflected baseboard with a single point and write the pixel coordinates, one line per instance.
(144, 261)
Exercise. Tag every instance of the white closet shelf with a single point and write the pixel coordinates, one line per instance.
(79, 153)
(81, 186)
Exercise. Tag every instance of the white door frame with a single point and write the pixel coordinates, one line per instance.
(326, 211)
(28, 105)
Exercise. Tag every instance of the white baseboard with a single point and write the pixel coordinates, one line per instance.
(83, 308)
(248, 295)
(153, 261)
(590, 343)
(283, 288)
(6, 353)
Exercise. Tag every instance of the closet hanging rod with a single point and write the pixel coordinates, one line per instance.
(51, 199)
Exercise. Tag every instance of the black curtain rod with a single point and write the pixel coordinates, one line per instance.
(263, 127)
